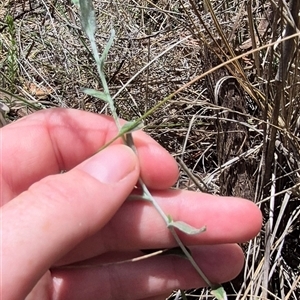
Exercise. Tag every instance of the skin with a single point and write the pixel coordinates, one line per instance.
(51, 219)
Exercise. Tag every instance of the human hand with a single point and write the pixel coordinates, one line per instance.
(50, 220)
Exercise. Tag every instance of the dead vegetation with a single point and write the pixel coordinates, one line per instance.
(233, 122)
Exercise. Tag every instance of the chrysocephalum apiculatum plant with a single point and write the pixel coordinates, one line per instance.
(88, 22)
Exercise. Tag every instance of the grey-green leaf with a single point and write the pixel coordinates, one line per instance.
(107, 47)
(131, 126)
(184, 227)
(219, 292)
(95, 93)
(76, 2)
(88, 18)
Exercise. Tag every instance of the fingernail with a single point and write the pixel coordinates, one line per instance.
(112, 164)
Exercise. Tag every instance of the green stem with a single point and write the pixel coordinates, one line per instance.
(146, 193)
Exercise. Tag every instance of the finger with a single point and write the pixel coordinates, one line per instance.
(55, 214)
(149, 277)
(137, 225)
(52, 140)
(43, 289)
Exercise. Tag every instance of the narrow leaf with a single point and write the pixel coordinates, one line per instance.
(184, 227)
(95, 93)
(106, 49)
(76, 2)
(131, 126)
(88, 19)
(219, 292)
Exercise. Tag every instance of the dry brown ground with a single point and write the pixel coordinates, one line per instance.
(235, 129)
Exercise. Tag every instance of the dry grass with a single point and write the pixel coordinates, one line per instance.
(44, 61)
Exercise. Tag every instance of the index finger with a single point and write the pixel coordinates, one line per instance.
(50, 141)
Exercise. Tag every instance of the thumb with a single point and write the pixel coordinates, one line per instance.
(55, 214)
